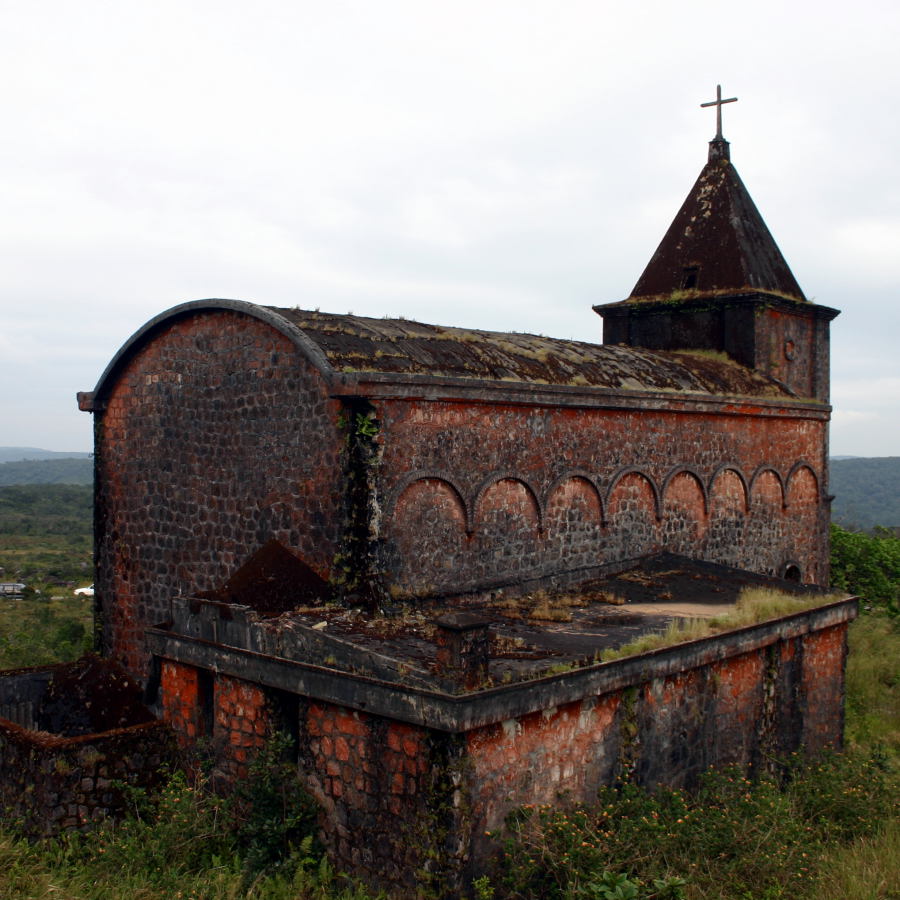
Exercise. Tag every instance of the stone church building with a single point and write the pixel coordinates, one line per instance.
(414, 461)
(251, 460)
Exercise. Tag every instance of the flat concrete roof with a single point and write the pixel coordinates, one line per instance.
(541, 630)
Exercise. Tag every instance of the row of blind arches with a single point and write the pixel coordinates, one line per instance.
(470, 502)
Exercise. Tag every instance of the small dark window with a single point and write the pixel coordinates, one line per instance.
(792, 573)
(284, 708)
(690, 276)
(206, 692)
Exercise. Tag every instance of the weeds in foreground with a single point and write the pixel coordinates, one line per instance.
(873, 685)
(271, 809)
(865, 870)
(730, 838)
(833, 833)
(830, 831)
(184, 844)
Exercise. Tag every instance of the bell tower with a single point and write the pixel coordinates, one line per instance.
(718, 282)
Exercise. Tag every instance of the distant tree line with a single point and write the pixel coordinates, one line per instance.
(46, 509)
(866, 490)
(47, 471)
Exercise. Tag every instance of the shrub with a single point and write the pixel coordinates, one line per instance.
(867, 565)
(271, 810)
(182, 844)
(731, 838)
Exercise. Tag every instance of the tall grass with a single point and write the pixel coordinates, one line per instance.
(186, 845)
(867, 869)
(873, 685)
(37, 632)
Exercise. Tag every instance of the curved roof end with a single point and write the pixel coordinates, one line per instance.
(90, 401)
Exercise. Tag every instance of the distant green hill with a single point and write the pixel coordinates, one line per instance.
(16, 454)
(47, 471)
(866, 492)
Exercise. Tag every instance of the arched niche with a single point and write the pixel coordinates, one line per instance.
(684, 518)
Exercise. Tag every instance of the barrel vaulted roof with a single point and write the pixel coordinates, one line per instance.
(402, 347)
(364, 349)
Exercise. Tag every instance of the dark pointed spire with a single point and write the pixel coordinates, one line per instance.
(718, 242)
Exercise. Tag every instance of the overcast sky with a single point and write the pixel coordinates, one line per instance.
(500, 165)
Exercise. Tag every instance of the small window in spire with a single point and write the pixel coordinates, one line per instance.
(689, 278)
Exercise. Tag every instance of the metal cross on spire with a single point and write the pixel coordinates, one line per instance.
(717, 103)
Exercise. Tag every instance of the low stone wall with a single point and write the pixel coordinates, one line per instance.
(53, 782)
(50, 784)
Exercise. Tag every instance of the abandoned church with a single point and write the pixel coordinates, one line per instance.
(407, 545)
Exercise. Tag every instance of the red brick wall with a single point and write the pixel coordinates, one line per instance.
(633, 518)
(50, 784)
(573, 521)
(180, 699)
(747, 710)
(547, 490)
(825, 655)
(242, 721)
(236, 724)
(374, 779)
(217, 436)
(740, 695)
(728, 506)
(568, 751)
(684, 519)
(804, 511)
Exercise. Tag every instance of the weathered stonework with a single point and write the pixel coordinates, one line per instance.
(216, 433)
(583, 489)
(410, 779)
(59, 782)
(215, 437)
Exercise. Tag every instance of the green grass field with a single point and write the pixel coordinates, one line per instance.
(46, 536)
(35, 631)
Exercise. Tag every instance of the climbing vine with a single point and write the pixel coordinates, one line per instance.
(355, 575)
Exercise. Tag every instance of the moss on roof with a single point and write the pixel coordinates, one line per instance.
(402, 347)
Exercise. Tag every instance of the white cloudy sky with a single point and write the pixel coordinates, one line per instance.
(492, 164)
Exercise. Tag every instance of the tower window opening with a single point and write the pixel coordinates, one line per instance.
(690, 276)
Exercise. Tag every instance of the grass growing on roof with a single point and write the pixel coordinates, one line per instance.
(753, 606)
